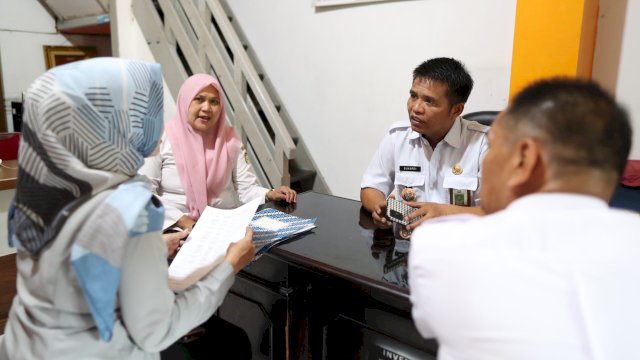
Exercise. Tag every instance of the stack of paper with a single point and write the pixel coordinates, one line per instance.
(207, 244)
(271, 226)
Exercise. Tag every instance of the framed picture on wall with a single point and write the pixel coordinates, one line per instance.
(59, 55)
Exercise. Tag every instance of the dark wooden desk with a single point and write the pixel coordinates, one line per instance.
(8, 174)
(7, 287)
(339, 292)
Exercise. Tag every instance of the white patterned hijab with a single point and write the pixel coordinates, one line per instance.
(87, 127)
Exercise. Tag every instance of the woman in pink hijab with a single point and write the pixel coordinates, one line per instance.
(201, 160)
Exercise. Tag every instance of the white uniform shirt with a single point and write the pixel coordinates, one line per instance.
(405, 159)
(554, 276)
(161, 169)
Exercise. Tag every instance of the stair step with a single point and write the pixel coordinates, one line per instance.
(301, 175)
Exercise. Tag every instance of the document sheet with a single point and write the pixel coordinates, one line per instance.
(207, 244)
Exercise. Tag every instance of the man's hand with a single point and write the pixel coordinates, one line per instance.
(429, 210)
(241, 252)
(373, 200)
(379, 215)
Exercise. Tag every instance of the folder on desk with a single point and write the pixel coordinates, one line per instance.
(271, 226)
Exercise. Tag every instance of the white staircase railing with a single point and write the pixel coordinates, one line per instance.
(197, 36)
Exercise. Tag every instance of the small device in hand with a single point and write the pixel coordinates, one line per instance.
(397, 210)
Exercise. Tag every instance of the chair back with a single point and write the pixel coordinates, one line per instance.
(626, 197)
(483, 117)
(9, 143)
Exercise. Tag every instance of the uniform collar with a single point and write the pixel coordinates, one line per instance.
(452, 138)
(413, 134)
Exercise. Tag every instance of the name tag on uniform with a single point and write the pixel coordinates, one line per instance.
(460, 197)
(410, 168)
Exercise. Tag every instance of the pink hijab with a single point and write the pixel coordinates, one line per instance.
(203, 173)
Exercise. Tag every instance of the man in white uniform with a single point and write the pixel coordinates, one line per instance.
(432, 160)
(551, 272)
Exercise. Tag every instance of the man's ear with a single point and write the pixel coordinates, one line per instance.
(527, 165)
(457, 109)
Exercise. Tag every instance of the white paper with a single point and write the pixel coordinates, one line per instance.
(207, 244)
(269, 224)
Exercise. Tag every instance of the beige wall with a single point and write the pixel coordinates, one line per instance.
(617, 58)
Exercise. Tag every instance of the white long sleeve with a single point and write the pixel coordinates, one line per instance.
(245, 180)
(162, 172)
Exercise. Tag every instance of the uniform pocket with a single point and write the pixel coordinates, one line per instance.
(409, 180)
(461, 182)
(461, 189)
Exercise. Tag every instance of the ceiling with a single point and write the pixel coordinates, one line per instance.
(80, 16)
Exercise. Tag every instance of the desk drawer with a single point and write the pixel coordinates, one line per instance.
(269, 269)
(349, 339)
(261, 313)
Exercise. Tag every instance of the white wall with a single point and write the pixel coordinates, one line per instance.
(26, 27)
(617, 58)
(344, 74)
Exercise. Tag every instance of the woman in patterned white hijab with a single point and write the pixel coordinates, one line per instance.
(92, 271)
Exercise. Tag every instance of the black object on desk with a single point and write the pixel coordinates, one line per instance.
(338, 292)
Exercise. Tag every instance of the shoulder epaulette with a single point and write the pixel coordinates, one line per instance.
(399, 125)
(476, 126)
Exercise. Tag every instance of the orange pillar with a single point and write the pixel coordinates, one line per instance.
(553, 38)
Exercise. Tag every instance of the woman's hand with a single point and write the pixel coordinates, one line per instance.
(284, 193)
(173, 241)
(241, 252)
(185, 222)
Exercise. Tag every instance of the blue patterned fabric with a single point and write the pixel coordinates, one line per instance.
(265, 239)
(87, 127)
